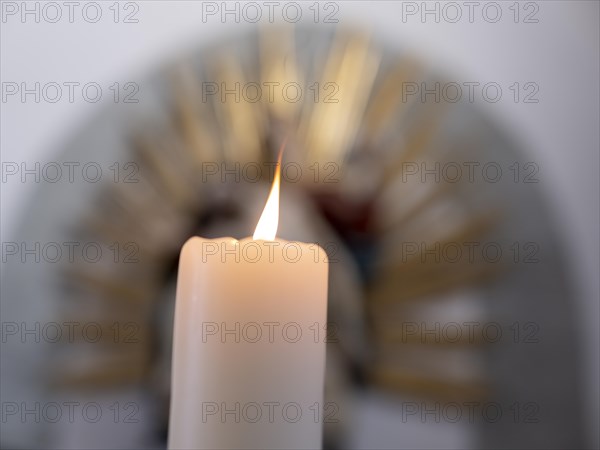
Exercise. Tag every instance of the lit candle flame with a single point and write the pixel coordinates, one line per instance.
(266, 229)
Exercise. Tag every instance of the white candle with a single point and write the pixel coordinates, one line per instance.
(248, 350)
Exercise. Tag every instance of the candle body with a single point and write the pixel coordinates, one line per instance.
(248, 350)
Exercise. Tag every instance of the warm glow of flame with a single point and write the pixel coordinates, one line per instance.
(266, 229)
